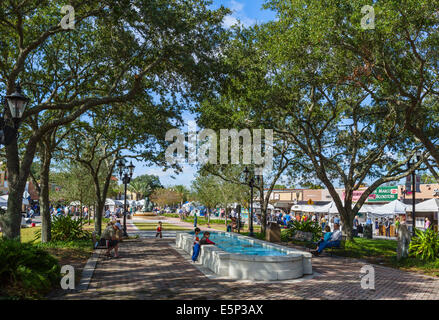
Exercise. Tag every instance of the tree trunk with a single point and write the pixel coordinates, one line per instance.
(11, 220)
(98, 216)
(46, 234)
(348, 221)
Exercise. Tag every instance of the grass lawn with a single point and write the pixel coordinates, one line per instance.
(27, 234)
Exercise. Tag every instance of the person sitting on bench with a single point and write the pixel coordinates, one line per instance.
(334, 241)
(326, 236)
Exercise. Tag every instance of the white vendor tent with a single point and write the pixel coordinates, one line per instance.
(4, 200)
(111, 202)
(323, 209)
(331, 208)
(303, 208)
(390, 209)
(431, 205)
(366, 208)
(257, 205)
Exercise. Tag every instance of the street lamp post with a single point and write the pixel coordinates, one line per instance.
(410, 164)
(16, 102)
(249, 177)
(125, 174)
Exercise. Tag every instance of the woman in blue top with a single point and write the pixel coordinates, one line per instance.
(326, 236)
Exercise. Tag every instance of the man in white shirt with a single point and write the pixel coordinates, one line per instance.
(334, 241)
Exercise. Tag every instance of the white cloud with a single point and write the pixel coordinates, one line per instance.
(236, 6)
(238, 16)
(229, 21)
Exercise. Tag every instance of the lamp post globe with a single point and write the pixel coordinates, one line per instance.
(17, 102)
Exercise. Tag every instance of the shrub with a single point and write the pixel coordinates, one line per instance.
(425, 244)
(305, 226)
(25, 270)
(65, 228)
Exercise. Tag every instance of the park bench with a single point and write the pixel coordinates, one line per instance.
(305, 237)
(338, 248)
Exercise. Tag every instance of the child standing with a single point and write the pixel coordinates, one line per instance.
(196, 247)
(159, 230)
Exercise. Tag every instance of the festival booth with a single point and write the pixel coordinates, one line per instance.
(388, 211)
(112, 204)
(426, 209)
(4, 200)
(257, 207)
(308, 208)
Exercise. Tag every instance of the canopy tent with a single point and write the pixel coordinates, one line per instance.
(4, 200)
(367, 208)
(257, 205)
(304, 208)
(75, 203)
(111, 202)
(390, 209)
(324, 208)
(331, 208)
(431, 205)
(131, 202)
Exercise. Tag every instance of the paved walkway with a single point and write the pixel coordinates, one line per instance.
(153, 269)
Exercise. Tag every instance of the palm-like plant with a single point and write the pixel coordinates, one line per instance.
(182, 191)
(137, 187)
(425, 244)
(144, 185)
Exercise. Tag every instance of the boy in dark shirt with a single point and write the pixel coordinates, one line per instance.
(205, 239)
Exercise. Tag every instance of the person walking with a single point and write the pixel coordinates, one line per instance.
(387, 227)
(355, 226)
(159, 230)
(427, 223)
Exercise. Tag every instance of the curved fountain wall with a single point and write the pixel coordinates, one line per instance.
(293, 265)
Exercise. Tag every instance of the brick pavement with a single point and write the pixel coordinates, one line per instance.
(152, 269)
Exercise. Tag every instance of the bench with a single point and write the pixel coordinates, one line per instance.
(305, 237)
(340, 247)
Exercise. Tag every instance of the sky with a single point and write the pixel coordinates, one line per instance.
(248, 13)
